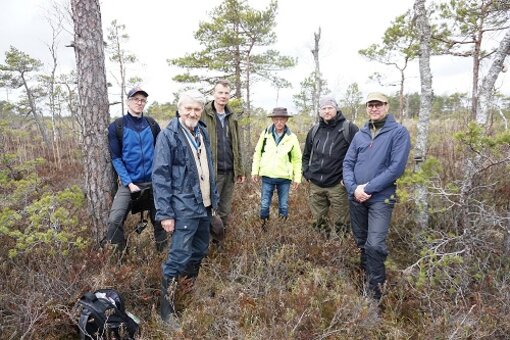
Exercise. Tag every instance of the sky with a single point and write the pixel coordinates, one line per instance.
(159, 30)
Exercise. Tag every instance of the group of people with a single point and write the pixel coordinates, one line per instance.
(193, 164)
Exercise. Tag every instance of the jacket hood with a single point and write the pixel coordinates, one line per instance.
(334, 122)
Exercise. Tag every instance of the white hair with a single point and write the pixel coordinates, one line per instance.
(193, 96)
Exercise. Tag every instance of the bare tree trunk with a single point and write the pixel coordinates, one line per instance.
(401, 96)
(318, 82)
(424, 31)
(485, 97)
(402, 84)
(93, 108)
(486, 89)
(476, 67)
(248, 105)
(122, 69)
(56, 29)
(38, 121)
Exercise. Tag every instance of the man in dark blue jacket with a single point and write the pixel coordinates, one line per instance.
(185, 194)
(132, 155)
(376, 158)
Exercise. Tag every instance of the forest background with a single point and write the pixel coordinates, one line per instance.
(450, 235)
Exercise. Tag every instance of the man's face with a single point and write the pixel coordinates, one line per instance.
(190, 113)
(221, 94)
(327, 112)
(137, 103)
(279, 123)
(377, 110)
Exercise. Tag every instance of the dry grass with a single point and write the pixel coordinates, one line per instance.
(287, 283)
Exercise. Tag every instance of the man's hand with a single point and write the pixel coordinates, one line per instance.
(295, 185)
(360, 195)
(168, 225)
(255, 178)
(133, 187)
(240, 179)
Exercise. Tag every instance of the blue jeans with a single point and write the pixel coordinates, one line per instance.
(282, 186)
(190, 242)
(370, 223)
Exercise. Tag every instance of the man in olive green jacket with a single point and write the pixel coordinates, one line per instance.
(223, 131)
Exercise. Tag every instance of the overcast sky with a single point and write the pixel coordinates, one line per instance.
(160, 30)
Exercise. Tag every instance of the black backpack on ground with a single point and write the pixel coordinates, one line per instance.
(103, 316)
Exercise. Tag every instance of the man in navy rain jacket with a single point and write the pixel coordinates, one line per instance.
(376, 158)
(185, 195)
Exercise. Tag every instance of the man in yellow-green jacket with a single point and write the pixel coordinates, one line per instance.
(277, 160)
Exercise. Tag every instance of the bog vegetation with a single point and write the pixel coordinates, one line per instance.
(451, 280)
(448, 278)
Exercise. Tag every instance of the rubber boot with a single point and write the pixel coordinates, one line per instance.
(167, 302)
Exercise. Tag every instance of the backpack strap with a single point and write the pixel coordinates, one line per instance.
(314, 132)
(88, 300)
(82, 323)
(154, 127)
(264, 141)
(119, 126)
(346, 127)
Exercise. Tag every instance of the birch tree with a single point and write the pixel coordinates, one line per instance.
(93, 108)
(487, 86)
(424, 34)
(480, 158)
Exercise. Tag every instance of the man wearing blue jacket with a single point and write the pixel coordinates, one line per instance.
(376, 158)
(132, 152)
(185, 195)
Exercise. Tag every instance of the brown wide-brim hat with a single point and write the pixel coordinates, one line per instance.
(279, 112)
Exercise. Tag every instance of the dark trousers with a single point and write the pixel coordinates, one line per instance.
(118, 213)
(370, 223)
(225, 187)
(190, 243)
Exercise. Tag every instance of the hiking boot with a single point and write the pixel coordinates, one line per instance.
(264, 224)
(167, 302)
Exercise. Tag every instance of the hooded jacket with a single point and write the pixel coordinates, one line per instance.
(378, 161)
(282, 160)
(323, 166)
(175, 178)
(209, 118)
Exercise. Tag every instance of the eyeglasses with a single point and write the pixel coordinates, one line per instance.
(376, 105)
(139, 100)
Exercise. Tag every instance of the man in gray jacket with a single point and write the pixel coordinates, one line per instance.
(184, 195)
(375, 160)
